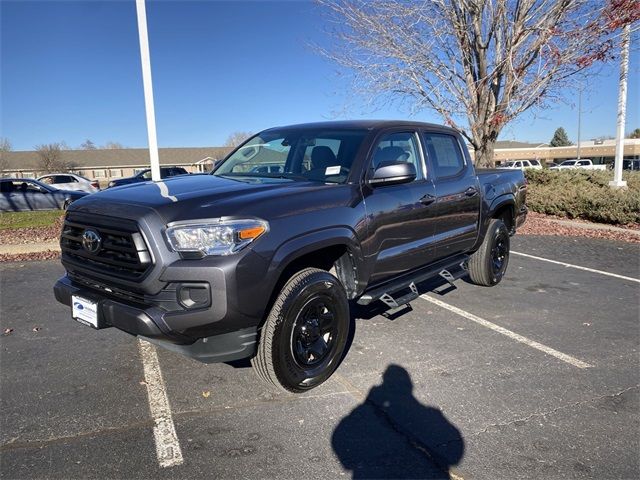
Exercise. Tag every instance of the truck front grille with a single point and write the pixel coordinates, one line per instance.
(121, 251)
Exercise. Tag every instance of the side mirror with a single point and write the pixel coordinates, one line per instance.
(393, 174)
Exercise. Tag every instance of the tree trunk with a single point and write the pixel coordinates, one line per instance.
(484, 154)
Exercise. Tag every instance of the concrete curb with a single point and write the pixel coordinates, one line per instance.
(29, 248)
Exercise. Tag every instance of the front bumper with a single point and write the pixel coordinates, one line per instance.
(150, 322)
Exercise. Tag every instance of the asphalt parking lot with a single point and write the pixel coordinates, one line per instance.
(536, 378)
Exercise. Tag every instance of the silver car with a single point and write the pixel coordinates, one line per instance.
(23, 194)
(70, 181)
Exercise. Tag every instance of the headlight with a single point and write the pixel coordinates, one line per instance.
(211, 237)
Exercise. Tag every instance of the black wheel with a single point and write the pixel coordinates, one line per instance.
(304, 337)
(488, 265)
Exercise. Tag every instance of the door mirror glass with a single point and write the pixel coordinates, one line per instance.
(393, 174)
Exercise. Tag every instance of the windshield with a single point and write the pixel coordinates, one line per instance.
(315, 155)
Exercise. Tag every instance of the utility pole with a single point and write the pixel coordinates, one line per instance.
(617, 181)
(579, 119)
(148, 89)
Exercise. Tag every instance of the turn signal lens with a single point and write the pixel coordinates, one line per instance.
(251, 233)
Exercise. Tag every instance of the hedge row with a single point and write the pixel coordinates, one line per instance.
(584, 194)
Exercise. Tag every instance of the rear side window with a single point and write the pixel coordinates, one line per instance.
(63, 179)
(445, 154)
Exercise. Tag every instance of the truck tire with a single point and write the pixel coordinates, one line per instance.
(488, 265)
(304, 337)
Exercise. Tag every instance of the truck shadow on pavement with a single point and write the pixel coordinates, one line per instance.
(392, 435)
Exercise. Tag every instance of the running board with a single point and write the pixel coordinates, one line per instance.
(385, 293)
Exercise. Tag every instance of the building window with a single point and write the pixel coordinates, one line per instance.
(115, 173)
(99, 174)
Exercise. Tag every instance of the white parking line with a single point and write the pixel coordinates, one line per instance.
(515, 336)
(164, 431)
(615, 275)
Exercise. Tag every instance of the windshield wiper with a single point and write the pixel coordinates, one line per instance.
(287, 176)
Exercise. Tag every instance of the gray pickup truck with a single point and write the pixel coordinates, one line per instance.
(263, 258)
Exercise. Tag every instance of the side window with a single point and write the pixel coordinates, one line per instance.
(64, 179)
(445, 154)
(398, 147)
(518, 164)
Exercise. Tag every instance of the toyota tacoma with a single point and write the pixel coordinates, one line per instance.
(264, 257)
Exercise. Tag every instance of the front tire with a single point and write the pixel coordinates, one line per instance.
(488, 265)
(305, 335)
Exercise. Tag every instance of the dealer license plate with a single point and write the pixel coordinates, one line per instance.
(84, 311)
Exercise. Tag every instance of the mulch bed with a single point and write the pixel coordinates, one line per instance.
(536, 224)
(539, 224)
(18, 236)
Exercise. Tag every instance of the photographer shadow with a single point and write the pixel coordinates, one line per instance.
(392, 435)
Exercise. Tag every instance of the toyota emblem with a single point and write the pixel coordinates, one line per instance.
(91, 241)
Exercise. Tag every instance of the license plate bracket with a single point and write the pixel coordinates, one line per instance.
(85, 311)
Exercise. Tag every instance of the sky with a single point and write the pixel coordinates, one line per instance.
(70, 71)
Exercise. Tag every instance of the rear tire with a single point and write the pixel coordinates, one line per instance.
(305, 335)
(488, 265)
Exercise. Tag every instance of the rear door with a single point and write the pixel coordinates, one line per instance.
(400, 216)
(457, 205)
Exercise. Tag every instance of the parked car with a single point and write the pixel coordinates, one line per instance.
(522, 165)
(70, 181)
(22, 194)
(145, 175)
(243, 263)
(585, 164)
(627, 164)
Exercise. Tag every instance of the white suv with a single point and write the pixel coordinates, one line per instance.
(522, 164)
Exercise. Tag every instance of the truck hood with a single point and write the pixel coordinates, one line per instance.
(195, 196)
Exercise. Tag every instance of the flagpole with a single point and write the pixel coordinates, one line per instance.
(148, 89)
(617, 181)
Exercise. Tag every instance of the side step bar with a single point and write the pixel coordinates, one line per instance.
(385, 292)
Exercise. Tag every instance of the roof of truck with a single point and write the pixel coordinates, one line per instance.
(362, 124)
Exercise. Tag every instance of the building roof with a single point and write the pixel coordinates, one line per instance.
(111, 158)
(513, 144)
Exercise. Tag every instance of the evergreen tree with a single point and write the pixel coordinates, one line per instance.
(560, 138)
(634, 134)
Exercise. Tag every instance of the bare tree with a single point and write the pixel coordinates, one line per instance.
(88, 145)
(5, 146)
(236, 138)
(113, 145)
(477, 63)
(51, 158)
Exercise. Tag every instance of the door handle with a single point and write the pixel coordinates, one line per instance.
(470, 192)
(428, 199)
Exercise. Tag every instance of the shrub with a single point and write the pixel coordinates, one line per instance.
(584, 194)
